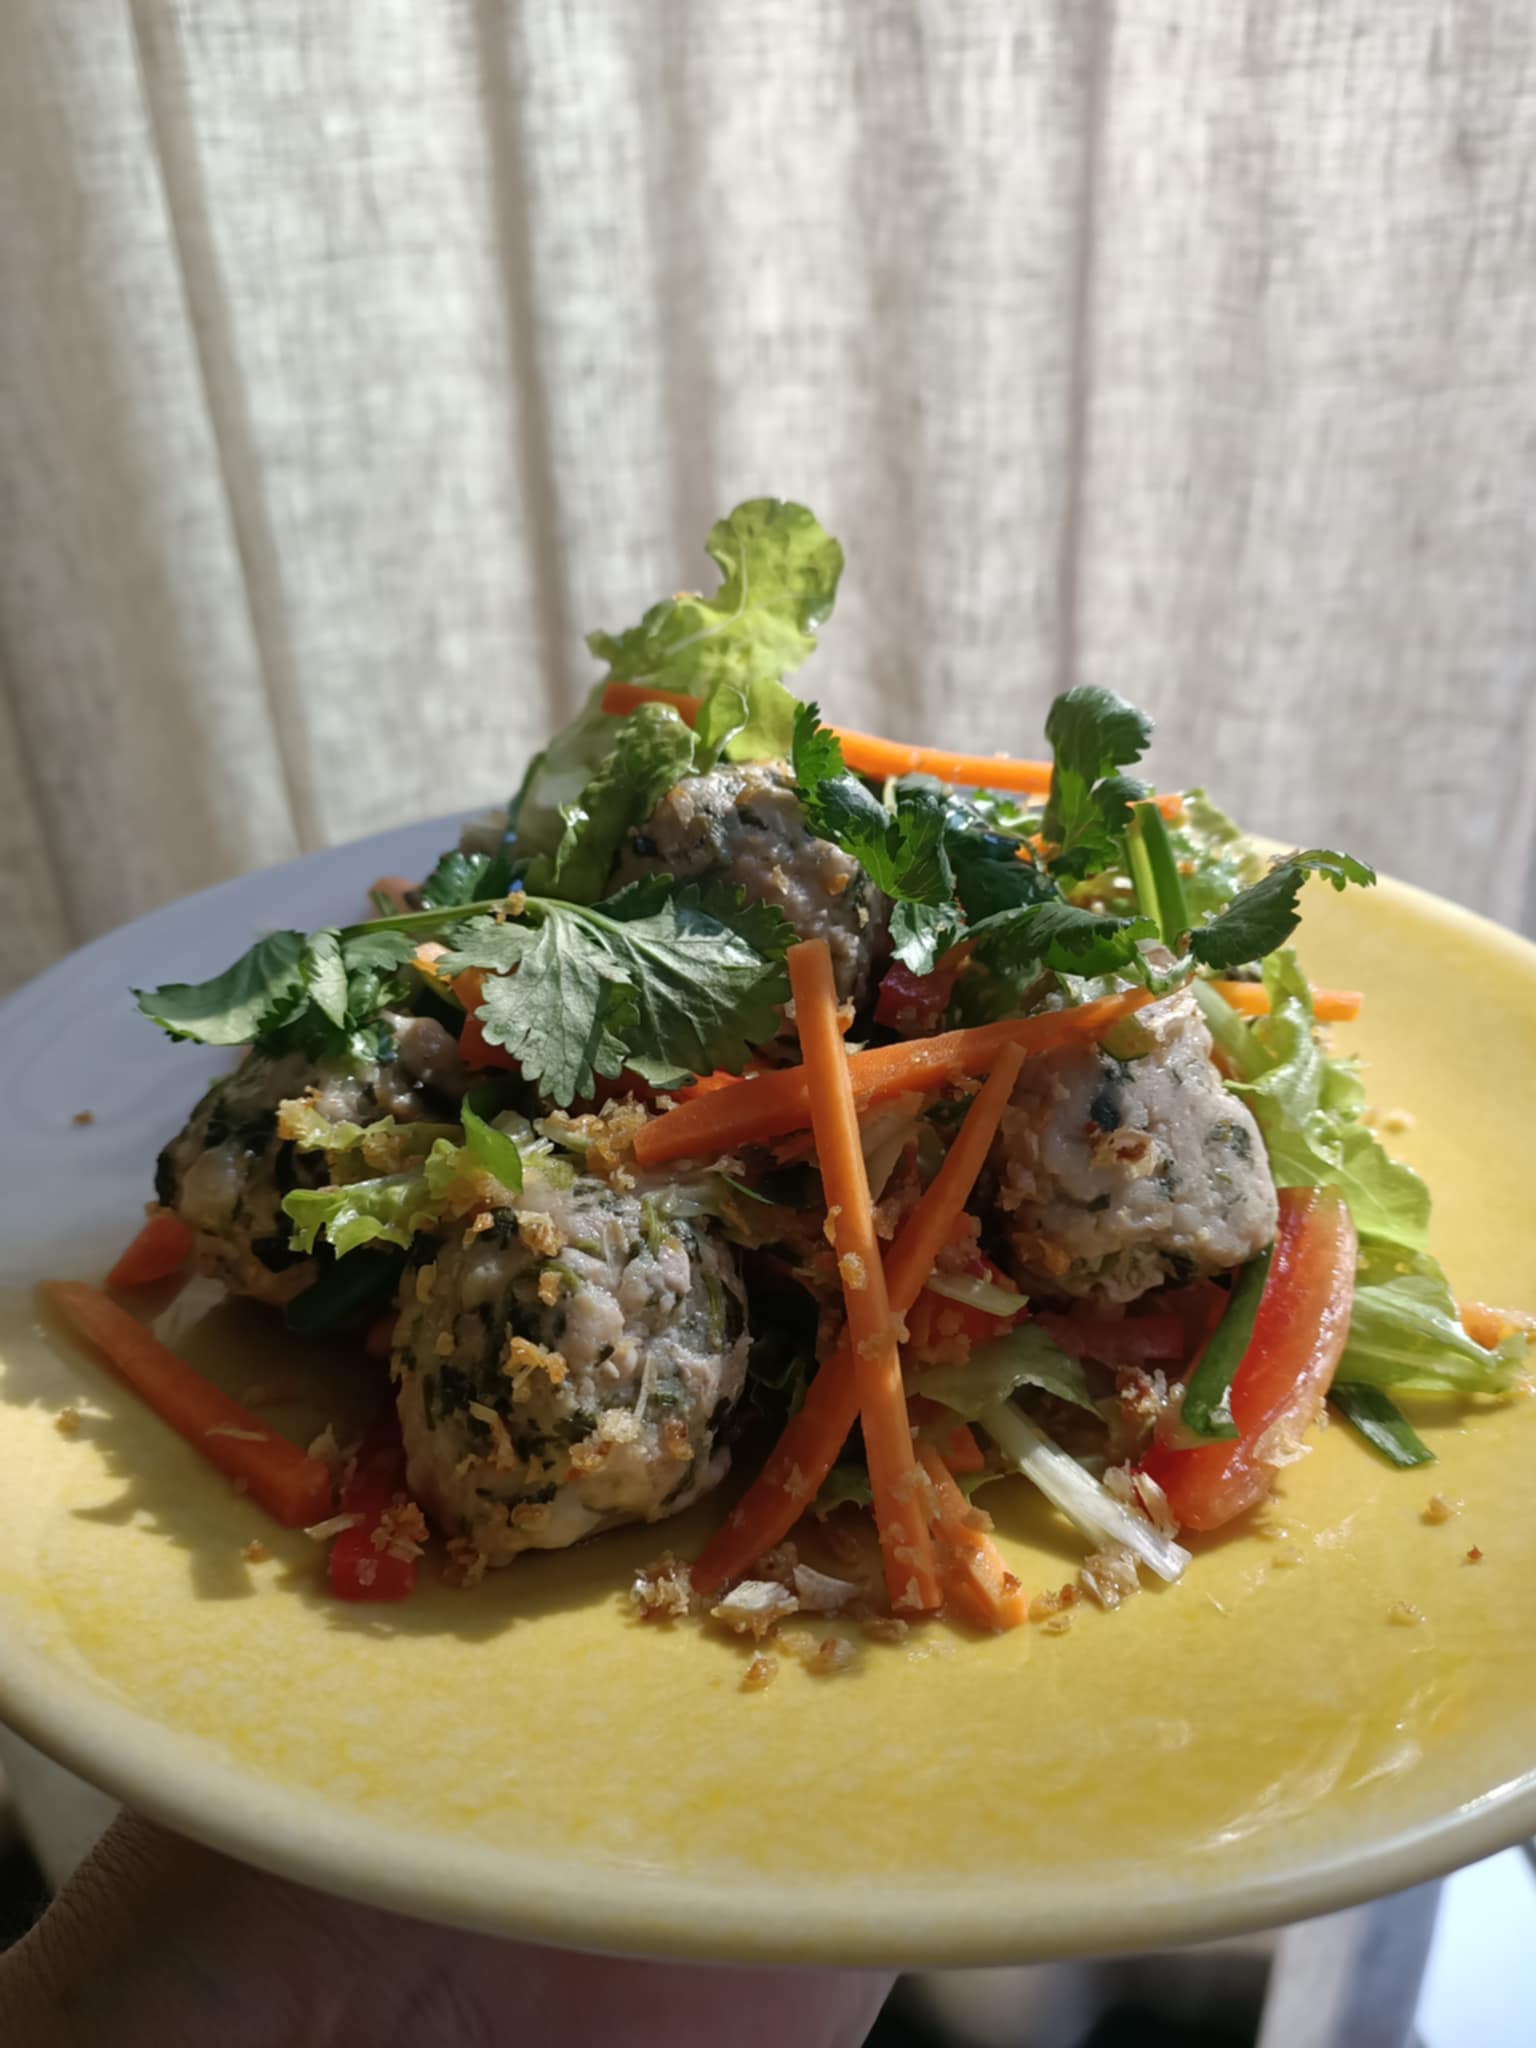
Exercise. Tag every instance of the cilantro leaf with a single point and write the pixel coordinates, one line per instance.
(325, 976)
(666, 981)
(1264, 916)
(235, 1007)
(902, 850)
(566, 1015)
(1061, 936)
(455, 880)
(780, 573)
(652, 750)
(1093, 734)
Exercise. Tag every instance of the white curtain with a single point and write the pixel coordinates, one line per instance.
(357, 355)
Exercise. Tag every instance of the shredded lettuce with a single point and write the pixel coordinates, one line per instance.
(1080, 1497)
(1025, 1357)
(1405, 1331)
(1308, 1108)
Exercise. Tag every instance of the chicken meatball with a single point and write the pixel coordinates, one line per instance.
(227, 1171)
(567, 1368)
(743, 824)
(1115, 1175)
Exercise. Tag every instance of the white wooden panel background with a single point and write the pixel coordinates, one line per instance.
(355, 358)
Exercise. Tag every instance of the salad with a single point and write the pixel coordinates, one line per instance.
(878, 1121)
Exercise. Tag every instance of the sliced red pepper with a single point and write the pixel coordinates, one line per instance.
(1298, 1334)
(913, 1005)
(359, 1570)
(1158, 1339)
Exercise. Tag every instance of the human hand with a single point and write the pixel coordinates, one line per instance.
(157, 1943)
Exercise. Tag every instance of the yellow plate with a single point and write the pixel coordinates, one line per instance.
(1255, 1744)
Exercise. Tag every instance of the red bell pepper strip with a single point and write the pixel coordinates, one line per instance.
(1298, 1334)
(359, 1569)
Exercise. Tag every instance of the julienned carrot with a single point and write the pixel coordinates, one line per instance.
(394, 890)
(905, 1544)
(977, 1581)
(475, 1049)
(293, 1487)
(770, 1105)
(808, 1448)
(1330, 1005)
(159, 1250)
(866, 753)
(1490, 1326)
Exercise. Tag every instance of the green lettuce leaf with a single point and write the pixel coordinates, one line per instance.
(1308, 1106)
(388, 1210)
(780, 573)
(1023, 1357)
(1093, 734)
(1217, 859)
(1264, 916)
(1406, 1333)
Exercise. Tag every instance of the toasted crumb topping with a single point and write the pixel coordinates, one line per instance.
(523, 1357)
(1474, 1555)
(541, 1233)
(887, 1628)
(1441, 1507)
(255, 1552)
(760, 1673)
(663, 1590)
(755, 1607)
(83, 1116)
(1404, 1614)
(67, 1422)
(426, 1280)
(465, 1566)
(851, 1271)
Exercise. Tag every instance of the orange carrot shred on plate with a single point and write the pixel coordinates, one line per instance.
(294, 1488)
(905, 1544)
(808, 1448)
(394, 890)
(159, 1250)
(867, 753)
(977, 1581)
(1330, 1005)
(1490, 1326)
(772, 1105)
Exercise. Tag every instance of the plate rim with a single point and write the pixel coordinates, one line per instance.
(576, 1902)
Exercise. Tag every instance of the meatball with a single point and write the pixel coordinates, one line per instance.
(1115, 1175)
(744, 825)
(567, 1368)
(227, 1171)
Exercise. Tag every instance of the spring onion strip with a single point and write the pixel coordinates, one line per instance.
(1077, 1493)
(1206, 1412)
(971, 1290)
(1381, 1422)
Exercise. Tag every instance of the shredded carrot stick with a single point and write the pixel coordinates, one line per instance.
(394, 890)
(808, 1448)
(1490, 1326)
(1331, 1005)
(771, 1105)
(905, 1545)
(159, 1250)
(293, 1487)
(977, 1581)
(866, 753)
(961, 1452)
